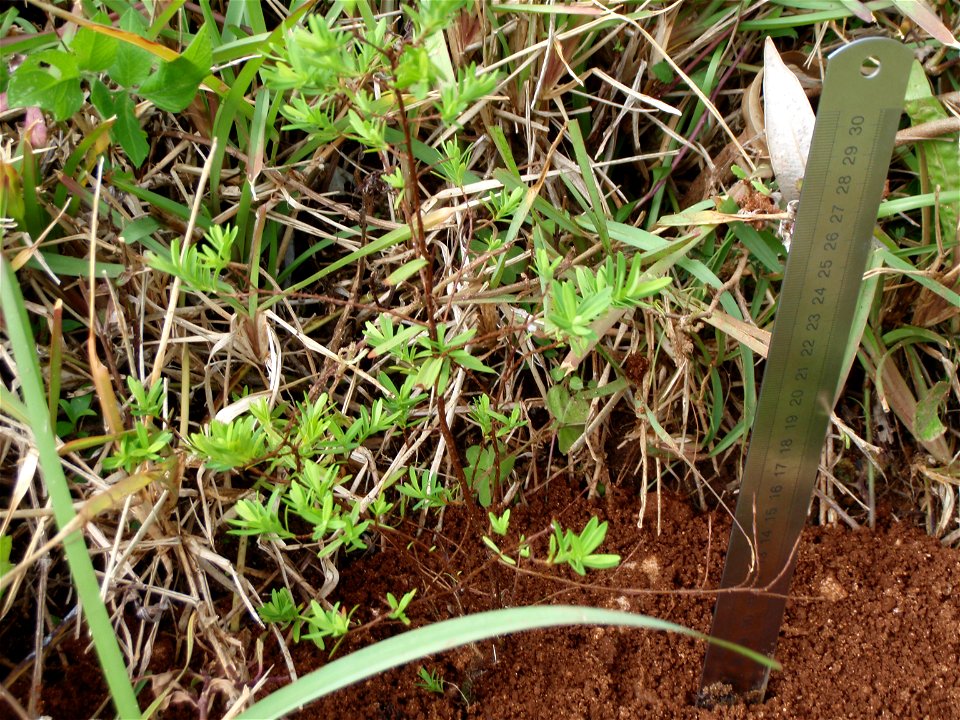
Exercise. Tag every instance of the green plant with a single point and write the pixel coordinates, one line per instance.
(569, 406)
(497, 551)
(486, 472)
(323, 623)
(255, 518)
(572, 306)
(75, 408)
(202, 267)
(431, 680)
(566, 546)
(311, 621)
(143, 402)
(54, 78)
(489, 464)
(454, 161)
(280, 609)
(225, 446)
(141, 445)
(398, 607)
(420, 643)
(322, 62)
(428, 361)
(576, 550)
(432, 342)
(425, 488)
(501, 524)
(84, 578)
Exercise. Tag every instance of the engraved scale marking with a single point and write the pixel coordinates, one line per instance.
(849, 157)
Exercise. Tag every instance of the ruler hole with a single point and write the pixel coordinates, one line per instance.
(870, 67)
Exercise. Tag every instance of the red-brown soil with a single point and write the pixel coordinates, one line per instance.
(872, 631)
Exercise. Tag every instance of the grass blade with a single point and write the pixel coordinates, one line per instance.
(450, 634)
(81, 568)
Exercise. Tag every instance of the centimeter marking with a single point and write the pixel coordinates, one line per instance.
(850, 152)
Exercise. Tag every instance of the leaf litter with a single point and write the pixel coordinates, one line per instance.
(662, 402)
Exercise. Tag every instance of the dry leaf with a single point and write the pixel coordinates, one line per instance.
(712, 217)
(789, 121)
(922, 15)
(860, 10)
(103, 382)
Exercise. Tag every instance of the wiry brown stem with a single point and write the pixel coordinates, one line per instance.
(411, 206)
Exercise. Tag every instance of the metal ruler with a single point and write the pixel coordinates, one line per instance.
(849, 157)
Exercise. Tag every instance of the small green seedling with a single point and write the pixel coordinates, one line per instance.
(577, 550)
(500, 524)
(398, 607)
(431, 681)
(75, 408)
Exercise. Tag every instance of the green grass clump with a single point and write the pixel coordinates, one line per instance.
(285, 287)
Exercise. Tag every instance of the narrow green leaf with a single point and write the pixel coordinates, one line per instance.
(76, 267)
(81, 568)
(598, 207)
(6, 544)
(449, 634)
(503, 147)
(405, 271)
(942, 159)
(757, 246)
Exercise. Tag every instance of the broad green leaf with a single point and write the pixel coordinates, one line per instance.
(95, 52)
(127, 131)
(61, 97)
(567, 435)
(478, 472)
(126, 128)
(132, 64)
(927, 424)
(175, 83)
(570, 411)
(102, 99)
(200, 50)
(50, 80)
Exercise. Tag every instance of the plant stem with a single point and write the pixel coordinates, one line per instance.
(411, 206)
